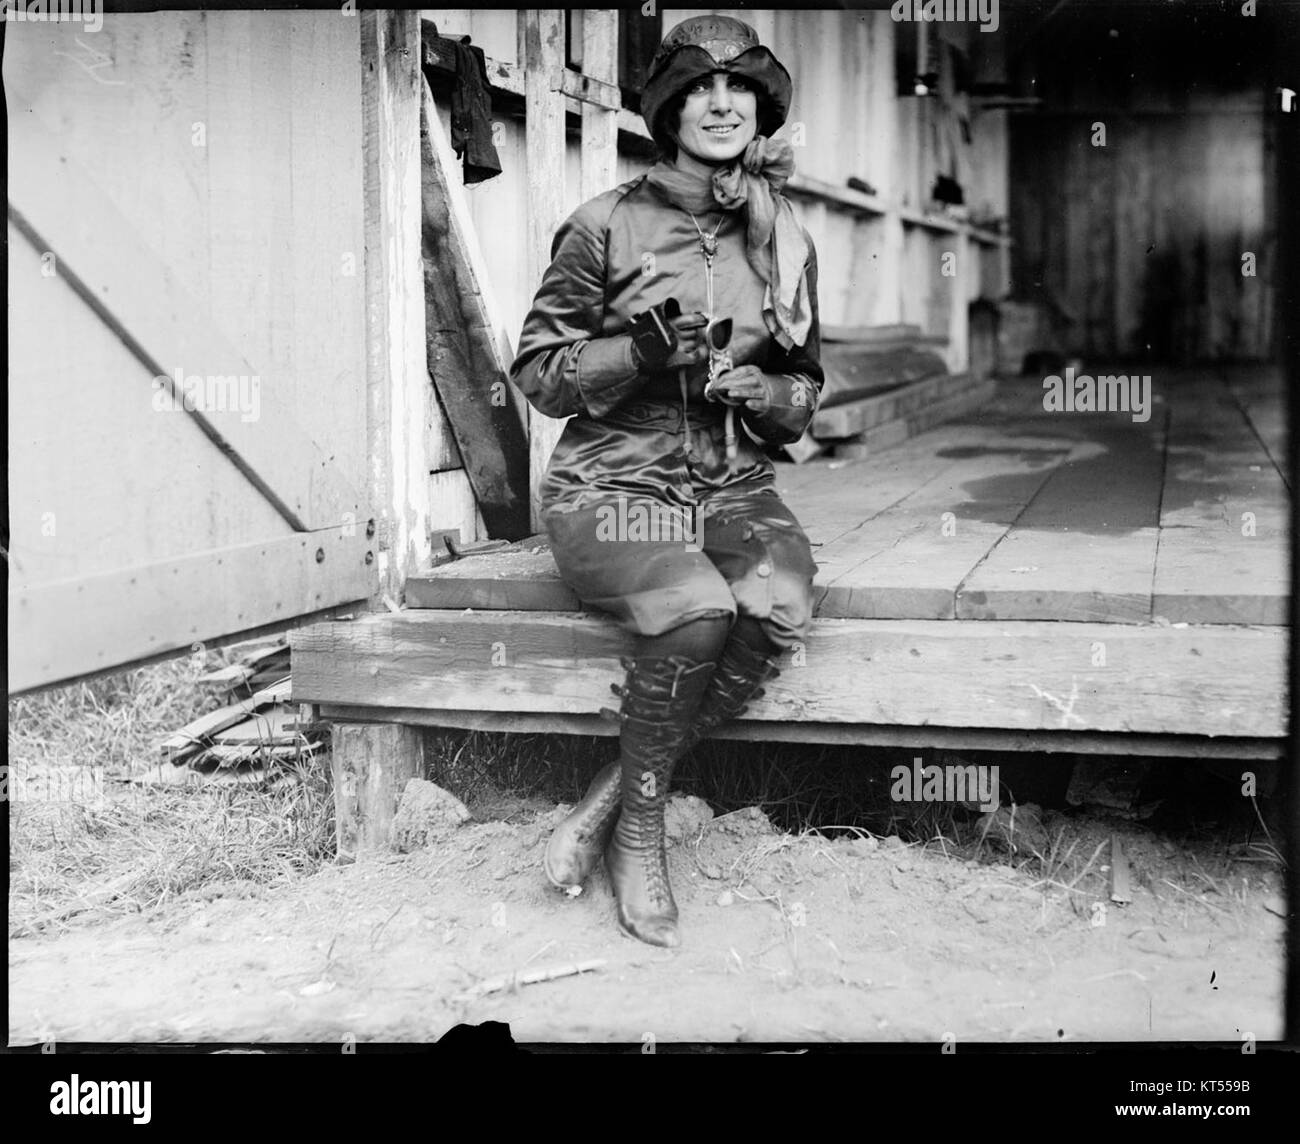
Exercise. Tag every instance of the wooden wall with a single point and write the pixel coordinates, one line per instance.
(187, 197)
(230, 143)
(1141, 240)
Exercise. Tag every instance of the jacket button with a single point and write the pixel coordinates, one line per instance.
(764, 569)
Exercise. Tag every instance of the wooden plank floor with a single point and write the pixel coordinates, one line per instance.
(1015, 579)
(1014, 513)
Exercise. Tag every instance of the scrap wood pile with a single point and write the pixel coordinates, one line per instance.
(256, 736)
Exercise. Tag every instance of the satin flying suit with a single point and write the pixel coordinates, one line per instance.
(644, 441)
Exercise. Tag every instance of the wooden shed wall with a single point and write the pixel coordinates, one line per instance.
(1140, 240)
(231, 144)
(192, 211)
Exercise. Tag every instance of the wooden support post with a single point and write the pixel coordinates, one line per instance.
(599, 124)
(371, 764)
(967, 266)
(543, 39)
(396, 374)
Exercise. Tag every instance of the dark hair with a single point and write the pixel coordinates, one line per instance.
(670, 118)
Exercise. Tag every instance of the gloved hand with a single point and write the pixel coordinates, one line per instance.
(691, 350)
(746, 385)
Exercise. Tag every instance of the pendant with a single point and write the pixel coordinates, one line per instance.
(709, 244)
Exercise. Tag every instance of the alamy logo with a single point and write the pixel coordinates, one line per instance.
(1106, 393)
(76, 1097)
(215, 393)
(86, 12)
(983, 12)
(649, 521)
(969, 784)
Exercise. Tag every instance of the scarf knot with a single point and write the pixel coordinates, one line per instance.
(774, 241)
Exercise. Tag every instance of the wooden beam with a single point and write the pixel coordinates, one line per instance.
(599, 123)
(397, 374)
(60, 209)
(1008, 675)
(967, 268)
(843, 418)
(543, 38)
(966, 399)
(518, 581)
(839, 734)
(137, 613)
(371, 765)
(464, 356)
(585, 89)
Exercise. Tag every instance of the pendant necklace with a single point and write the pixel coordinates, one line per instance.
(719, 361)
(709, 248)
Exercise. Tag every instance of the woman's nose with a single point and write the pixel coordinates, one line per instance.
(721, 93)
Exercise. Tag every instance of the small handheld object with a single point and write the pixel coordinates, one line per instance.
(718, 338)
(652, 333)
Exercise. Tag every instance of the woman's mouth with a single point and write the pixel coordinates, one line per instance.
(721, 131)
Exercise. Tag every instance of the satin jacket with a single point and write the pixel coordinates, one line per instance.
(645, 432)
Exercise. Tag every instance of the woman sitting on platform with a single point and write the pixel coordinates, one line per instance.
(702, 251)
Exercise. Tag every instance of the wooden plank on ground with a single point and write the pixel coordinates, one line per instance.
(229, 754)
(464, 358)
(277, 723)
(208, 725)
(775, 731)
(1085, 547)
(1011, 675)
(1224, 554)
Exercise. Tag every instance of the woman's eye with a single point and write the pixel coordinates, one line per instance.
(739, 83)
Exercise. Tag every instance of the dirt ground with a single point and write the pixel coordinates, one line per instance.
(786, 938)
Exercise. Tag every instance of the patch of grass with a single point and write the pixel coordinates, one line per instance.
(138, 851)
(138, 848)
(114, 721)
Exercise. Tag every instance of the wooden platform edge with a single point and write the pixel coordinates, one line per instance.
(861, 734)
(1017, 676)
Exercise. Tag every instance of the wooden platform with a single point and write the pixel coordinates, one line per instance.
(1011, 576)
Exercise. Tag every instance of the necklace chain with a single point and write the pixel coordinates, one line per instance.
(709, 247)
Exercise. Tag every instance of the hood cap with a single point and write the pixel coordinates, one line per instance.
(706, 44)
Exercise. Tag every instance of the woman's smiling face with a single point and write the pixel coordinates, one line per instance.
(718, 118)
